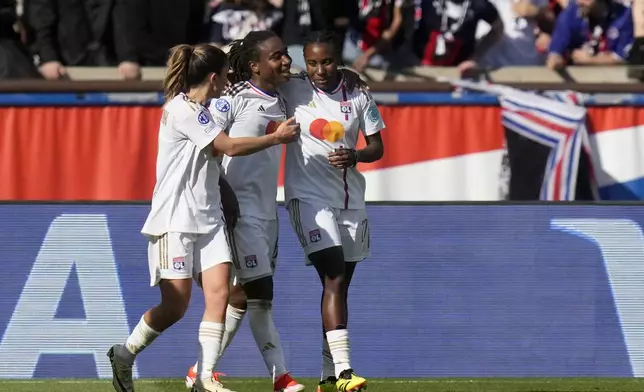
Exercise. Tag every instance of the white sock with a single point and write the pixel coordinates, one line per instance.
(260, 317)
(328, 367)
(210, 335)
(234, 318)
(141, 337)
(339, 346)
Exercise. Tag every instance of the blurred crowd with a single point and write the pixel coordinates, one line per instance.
(41, 38)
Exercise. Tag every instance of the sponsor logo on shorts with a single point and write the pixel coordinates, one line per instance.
(315, 235)
(179, 264)
(251, 261)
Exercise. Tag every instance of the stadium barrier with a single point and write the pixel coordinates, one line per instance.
(97, 140)
(471, 290)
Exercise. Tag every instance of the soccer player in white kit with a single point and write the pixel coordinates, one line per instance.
(325, 192)
(260, 63)
(185, 227)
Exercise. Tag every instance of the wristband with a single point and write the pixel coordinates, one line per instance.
(354, 157)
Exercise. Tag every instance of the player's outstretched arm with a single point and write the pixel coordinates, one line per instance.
(287, 132)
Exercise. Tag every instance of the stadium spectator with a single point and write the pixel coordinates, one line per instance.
(591, 32)
(232, 20)
(75, 33)
(447, 33)
(378, 36)
(158, 25)
(518, 45)
(15, 60)
(301, 17)
(546, 24)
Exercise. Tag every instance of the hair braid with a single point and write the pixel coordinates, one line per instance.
(243, 51)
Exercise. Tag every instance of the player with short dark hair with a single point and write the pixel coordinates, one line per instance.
(325, 192)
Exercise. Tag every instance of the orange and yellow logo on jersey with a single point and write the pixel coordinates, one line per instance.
(331, 131)
(272, 127)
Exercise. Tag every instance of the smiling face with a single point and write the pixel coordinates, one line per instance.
(322, 65)
(273, 64)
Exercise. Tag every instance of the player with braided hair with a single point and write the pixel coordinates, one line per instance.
(259, 64)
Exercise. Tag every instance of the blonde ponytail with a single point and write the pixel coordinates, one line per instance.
(176, 78)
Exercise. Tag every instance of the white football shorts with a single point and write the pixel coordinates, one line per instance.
(186, 255)
(321, 227)
(254, 247)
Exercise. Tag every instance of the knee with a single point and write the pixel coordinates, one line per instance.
(174, 308)
(216, 293)
(176, 313)
(260, 289)
(237, 298)
(335, 285)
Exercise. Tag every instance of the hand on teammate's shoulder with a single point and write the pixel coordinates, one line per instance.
(288, 131)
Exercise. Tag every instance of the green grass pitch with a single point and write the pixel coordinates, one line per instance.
(375, 385)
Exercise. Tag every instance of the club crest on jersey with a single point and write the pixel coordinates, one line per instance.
(251, 261)
(222, 105)
(315, 235)
(179, 264)
(345, 107)
(203, 118)
(312, 105)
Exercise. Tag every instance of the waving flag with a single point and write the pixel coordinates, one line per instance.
(554, 122)
(557, 125)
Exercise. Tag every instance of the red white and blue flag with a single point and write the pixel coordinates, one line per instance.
(555, 121)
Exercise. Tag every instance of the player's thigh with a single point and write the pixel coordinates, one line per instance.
(354, 231)
(212, 251)
(171, 256)
(252, 249)
(314, 225)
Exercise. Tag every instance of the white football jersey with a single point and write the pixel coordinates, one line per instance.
(251, 112)
(186, 195)
(327, 121)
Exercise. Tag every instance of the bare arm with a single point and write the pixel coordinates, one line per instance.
(373, 151)
(240, 146)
